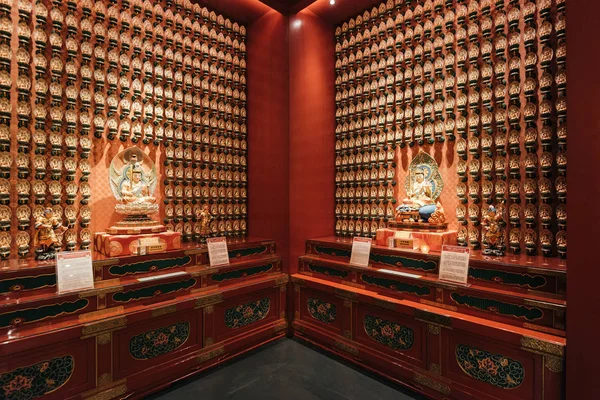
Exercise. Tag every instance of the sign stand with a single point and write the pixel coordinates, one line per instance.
(217, 251)
(361, 251)
(454, 264)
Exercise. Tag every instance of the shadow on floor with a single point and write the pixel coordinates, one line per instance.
(286, 369)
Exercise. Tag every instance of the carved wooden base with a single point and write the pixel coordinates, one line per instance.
(438, 353)
(150, 321)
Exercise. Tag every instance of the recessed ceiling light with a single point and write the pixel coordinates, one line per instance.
(332, 2)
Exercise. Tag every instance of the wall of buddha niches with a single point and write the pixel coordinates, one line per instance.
(480, 86)
(82, 80)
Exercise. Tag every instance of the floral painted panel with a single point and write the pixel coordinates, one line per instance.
(246, 314)
(322, 311)
(36, 380)
(491, 368)
(159, 341)
(388, 333)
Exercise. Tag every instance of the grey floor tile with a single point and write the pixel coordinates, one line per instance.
(287, 370)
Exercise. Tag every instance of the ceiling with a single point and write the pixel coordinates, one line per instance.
(342, 10)
(288, 6)
(248, 11)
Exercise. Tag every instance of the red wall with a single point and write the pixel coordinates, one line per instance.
(268, 129)
(291, 160)
(583, 275)
(312, 131)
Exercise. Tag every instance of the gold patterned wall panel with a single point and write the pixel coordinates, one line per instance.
(80, 80)
(481, 86)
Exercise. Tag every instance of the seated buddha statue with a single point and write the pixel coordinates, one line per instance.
(423, 187)
(419, 198)
(134, 189)
(133, 181)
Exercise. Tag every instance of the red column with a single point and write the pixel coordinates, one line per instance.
(312, 131)
(583, 275)
(268, 130)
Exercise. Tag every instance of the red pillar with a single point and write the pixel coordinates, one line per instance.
(583, 275)
(312, 130)
(268, 130)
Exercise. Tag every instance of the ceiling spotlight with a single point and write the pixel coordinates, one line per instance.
(332, 2)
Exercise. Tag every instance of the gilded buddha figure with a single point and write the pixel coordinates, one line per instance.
(46, 240)
(134, 189)
(420, 194)
(133, 180)
(493, 232)
(423, 187)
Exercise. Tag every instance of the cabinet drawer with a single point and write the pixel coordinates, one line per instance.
(495, 370)
(237, 315)
(392, 334)
(324, 310)
(151, 343)
(56, 372)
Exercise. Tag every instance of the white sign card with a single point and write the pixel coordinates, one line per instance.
(217, 251)
(74, 271)
(454, 264)
(361, 250)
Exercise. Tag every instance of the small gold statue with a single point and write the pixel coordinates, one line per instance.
(46, 241)
(493, 233)
(205, 219)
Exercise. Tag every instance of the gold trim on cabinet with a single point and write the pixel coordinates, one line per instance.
(213, 299)
(435, 368)
(298, 281)
(543, 304)
(432, 384)
(439, 305)
(202, 358)
(433, 329)
(554, 364)
(438, 319)
(347, 348)
(282, 280)
(280, 327)
(102, 313)
(353, 284)
(346, 294)
(104, 338)
(536, 345)
(111, 324)
(104, 380)
(385, 304)
(297, 327)
(101, 393)
(164, 311)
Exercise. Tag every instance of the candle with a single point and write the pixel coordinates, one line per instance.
(425, 248)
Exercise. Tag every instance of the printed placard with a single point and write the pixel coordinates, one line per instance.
(361, 250)
(217, 251)
(74, 271)
(454, 264)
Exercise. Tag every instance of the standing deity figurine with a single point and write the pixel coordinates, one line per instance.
(493, 233)
(46, 241)
(205, 219)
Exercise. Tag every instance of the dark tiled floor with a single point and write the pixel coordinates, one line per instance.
(286, 370)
